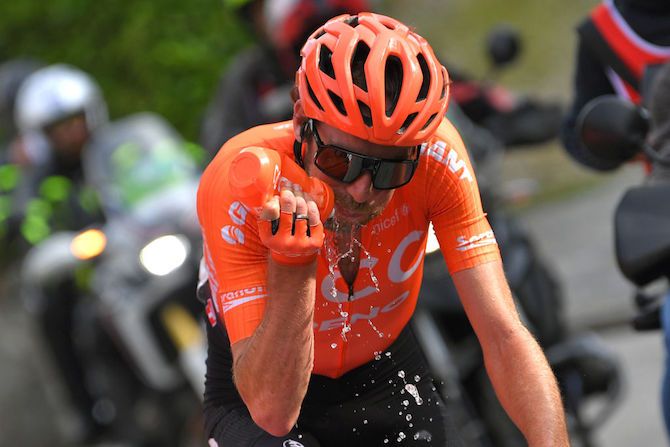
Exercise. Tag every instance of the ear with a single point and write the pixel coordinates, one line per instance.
(299, 119)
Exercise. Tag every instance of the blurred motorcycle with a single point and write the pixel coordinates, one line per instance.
(616, 128)
(515, 120)
(136, 321)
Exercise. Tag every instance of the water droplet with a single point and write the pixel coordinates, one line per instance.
(411, 389)
(354, 429)
(417, 378)
(333, 346)
(299, 435)
(405, 402)
(386, 441)
(401, 436)
(411, 425)
(365, 421)
(408, 417)
(387, 354)
(401, 374)
(424, 435)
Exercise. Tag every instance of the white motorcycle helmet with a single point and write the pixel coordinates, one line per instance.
(57, 92)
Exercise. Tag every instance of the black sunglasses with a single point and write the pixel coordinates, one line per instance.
(346, 166)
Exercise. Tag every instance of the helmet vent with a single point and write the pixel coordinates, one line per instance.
(339, 104)
(393, 76)
(425, 72)
(325, 62)
(358, 64)
(366, 113)
(408, 122)
(430, 120)
(352, 21)
(312, 95)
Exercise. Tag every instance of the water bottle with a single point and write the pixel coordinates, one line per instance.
(256, 174)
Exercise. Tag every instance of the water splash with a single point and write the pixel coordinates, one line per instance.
(380, 334)
(401, 436)
(423, 435)
(411, 389)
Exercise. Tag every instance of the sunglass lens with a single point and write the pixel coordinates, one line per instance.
(333, 162)
(393, 175)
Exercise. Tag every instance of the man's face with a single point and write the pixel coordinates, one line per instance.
(358, 202)
(68, 136)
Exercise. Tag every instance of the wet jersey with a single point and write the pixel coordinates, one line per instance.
(350, 328)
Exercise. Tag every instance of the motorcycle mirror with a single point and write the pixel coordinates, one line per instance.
(612, 128)
(503, 45)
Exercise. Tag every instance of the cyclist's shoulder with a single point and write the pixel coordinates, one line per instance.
(444, 148)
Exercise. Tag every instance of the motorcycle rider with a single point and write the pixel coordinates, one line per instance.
(287, 343)
(63, 106)
(12, 73)
(255, 88)
(617, 42)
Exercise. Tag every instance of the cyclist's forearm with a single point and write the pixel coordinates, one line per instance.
(273, 371)
(527, 388)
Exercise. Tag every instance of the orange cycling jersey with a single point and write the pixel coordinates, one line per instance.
(350, 329)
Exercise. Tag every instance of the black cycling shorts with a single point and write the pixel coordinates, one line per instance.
(389, 401)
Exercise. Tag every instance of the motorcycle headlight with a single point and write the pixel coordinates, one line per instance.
(432, 245)
(88, 244)
(165, 254)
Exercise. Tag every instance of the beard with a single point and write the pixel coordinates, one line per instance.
(350, 214)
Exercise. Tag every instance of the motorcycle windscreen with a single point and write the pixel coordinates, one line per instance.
(642, 233)
(135, 158)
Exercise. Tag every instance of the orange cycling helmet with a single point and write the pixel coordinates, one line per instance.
(346, 65)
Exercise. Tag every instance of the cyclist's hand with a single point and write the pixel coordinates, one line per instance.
(290, 226)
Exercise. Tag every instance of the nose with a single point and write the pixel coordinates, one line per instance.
(361, 189)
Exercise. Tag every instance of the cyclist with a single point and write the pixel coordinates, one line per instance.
(308, 337)
(255, 88)
(64, 107)
(618, 42)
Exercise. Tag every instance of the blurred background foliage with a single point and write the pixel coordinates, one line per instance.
(164, 56)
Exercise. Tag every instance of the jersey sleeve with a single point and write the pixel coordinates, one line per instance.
(235, 259)
(454, 204)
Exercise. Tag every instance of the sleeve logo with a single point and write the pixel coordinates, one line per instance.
(479, 240)
(232, 235)
(238, 213)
